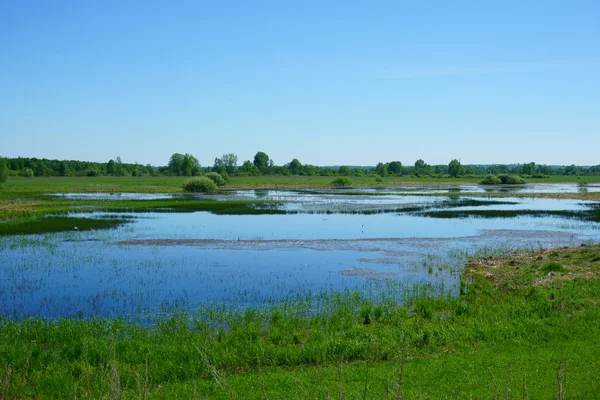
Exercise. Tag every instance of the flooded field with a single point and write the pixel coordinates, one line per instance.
(156, 263)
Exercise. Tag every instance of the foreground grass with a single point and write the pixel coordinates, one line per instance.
(522, 326)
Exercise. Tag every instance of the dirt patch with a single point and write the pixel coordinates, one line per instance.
(547, 267)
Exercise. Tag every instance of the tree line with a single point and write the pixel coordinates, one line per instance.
(227, 165)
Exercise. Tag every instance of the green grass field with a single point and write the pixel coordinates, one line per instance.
(523, 326)
(164, 184)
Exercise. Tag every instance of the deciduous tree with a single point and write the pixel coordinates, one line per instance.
(454, 168)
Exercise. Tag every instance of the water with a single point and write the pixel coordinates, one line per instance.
(162, 262)
(333, 194)
(473, 188)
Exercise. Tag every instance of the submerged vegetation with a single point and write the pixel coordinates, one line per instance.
(511, 312)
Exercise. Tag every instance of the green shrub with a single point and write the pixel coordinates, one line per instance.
(511, 179)
(491, 180)
(581, 182)
(93, 172)
(541, 176)
(28, 173)
(199, 185)
(216, 178)
(379, 179)
(341, 181)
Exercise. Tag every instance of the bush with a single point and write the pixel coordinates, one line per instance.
(216, 178)
(93, 172)
(511, 179)
(379, 179)
(581, 182)
(541, 176)
(199, 185)
(341, 182)
(491, 180)
(28, 173)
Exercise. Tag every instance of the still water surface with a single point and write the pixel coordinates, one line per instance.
(161, 262)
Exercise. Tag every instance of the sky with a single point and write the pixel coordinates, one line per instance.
(327, 82)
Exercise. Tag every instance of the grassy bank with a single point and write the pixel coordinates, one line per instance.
(522, 326)
(172, 184)
(27, 217)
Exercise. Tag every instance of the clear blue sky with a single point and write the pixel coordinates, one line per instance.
(327, 82)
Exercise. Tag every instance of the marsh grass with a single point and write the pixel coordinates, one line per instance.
(588, 215)
(60, 224)
(59, 215)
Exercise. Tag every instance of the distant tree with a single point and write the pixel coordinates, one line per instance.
(110, 167)
(3, 170)
(395, 167)
(63, 169)
(571, 170)
(176, 163)
(28, 173)
(454, 168)
(190, 166)
(310, 170)
(381, 169)
(226, 163)
(230, 161)
(295, 166)
(247, 166)
(261, 161)
(184, 165)
(344, 170)
(119, 168)
(528, 169)
(218, 165)
(420, 166)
